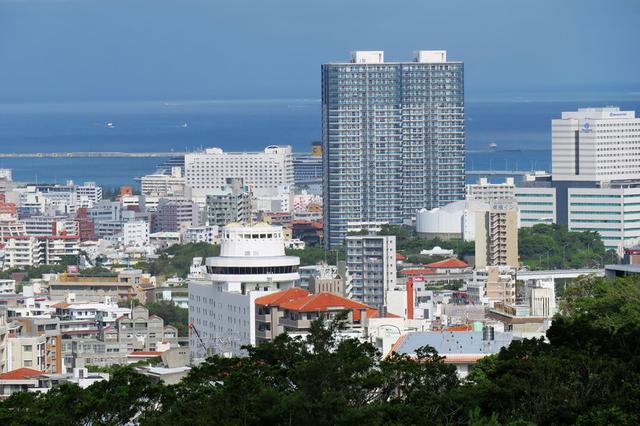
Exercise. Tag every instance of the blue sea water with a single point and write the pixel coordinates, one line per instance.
(520, 129)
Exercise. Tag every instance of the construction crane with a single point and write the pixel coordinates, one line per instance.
(195, 330)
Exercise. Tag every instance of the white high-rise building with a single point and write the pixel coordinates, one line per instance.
(252, 263)
(595, 145)
(596, 173)
(263, 172)
(371, 268)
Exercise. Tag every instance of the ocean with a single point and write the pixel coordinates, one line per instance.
(521, 131)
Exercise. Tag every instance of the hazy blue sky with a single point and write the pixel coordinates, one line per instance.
(210, 49)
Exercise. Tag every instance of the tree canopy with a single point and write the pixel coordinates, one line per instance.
(554, 247)
(586, 373)
(177, 259)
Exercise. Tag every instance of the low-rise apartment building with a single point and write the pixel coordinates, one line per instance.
(293, 310)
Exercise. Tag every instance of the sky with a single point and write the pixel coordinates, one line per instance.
(70, 50)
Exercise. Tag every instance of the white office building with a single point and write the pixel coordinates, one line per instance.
(88, 194)
(135, 233)
(371, 268)
(263, 172)
(536, 205)
(612, 212)
(201, 234)
(252, 263)
(596, 144)
(164, 185)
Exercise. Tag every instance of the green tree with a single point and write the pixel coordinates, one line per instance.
(172, 315)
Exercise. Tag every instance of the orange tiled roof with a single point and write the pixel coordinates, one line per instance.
(374, 313)
(400, 256)
(298, 299)
(459, 328)
(416, 271)
(21, 374)
(281, 297)
(448, 263)
(322, 302)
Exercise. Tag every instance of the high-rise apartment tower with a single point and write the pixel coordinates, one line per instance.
(393, 138)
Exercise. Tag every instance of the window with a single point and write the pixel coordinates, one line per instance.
(27, 363)
(27, 348)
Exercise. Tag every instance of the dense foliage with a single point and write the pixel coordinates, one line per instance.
(588, 373)
(34, 272)
(409, 243)
(554, 247)
(177, 259)
(172, 315)
(312, 255)
(539, 247)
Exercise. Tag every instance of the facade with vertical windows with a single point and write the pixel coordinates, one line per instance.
(371, 266)
(393, 138)
(614, 213)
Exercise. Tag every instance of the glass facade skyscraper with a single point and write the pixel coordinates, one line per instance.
(393, 138)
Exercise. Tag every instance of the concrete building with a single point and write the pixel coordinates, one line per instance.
(293, 310)
(485, 191)
(459, 348)
(141, 332)
(327, 280)
(263, 171)
(594, 148)
(532, 317)
(493, 284)
(7, 286)
(136, 233)
(176, 214)
(453, 221)
(39, 226)
(393, 138)
(595, 145)
(252, 263)
(28, 352)
(229, 203)
(88, 194)
(24, 251)
(496, 236)
(371, 266)
(31, 380)
(201, 234)
(126, 285)
(536, 205)
(164, 185)
(613, 211)
(307, 170)
(4, 335)
(31, 332)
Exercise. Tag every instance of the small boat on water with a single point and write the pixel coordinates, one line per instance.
(184, 125)
(110, 125)
(493, 145)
